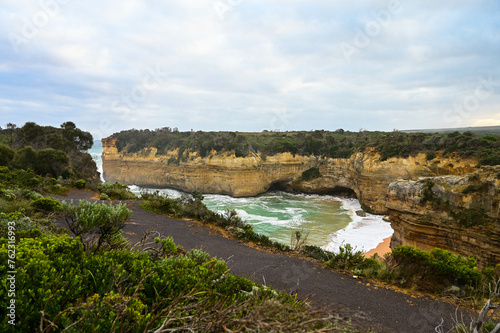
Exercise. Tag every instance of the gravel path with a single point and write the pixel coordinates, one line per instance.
(367, 304)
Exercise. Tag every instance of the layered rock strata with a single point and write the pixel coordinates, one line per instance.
(455, 213)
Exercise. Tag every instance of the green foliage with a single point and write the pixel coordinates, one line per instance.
(310, 174)
(97, 225)
(47, 204)
(200, 257)
(315, 252)
(80, 183)
(116, 191)
(23, 226)
(59, 283)
(348, 258)
(20, 178)
(435, 270)
(319, 143)
(6, 155)
(58, 152)
(51, 162)
(26, 158)
(470, 217)
(428, 195)
(168, 246)
(104, 196)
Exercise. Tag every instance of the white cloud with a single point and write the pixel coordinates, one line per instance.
(239, 70)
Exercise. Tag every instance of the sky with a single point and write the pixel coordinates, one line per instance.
(245, 65)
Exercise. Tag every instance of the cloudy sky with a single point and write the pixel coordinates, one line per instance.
(250, 65)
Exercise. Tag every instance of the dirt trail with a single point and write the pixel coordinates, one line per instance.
(383, 309)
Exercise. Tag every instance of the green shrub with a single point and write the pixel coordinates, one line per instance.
(310, 174)
(80, 184)
(51, 185)
(6, 155)
(8, 194)
(315, 252)
(104, 196)
(198, 256)
(17, 205)
(31, 195)
(47, 204)
(469, 217)
(116, 191)
(97, 225)
(24, 226)
(433, 271)
(168, 246)
(51, 162)
(348, 258)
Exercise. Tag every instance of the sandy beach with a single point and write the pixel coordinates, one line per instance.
(381, 248)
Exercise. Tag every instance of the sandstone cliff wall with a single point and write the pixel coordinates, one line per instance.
(363, 173)
(455, 213)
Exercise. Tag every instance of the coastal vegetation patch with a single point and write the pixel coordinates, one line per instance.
(49, 151)
(330, 144)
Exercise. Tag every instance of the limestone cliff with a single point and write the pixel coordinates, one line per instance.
(455, 213)
(363, 173)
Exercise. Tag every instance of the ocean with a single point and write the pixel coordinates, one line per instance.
(328, 221)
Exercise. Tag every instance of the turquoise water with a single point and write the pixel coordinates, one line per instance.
(278, 215)
(328, 221)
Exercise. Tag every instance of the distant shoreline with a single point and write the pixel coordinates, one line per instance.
(480, 130)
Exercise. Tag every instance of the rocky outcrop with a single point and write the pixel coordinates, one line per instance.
(455, 213)
(363, 174)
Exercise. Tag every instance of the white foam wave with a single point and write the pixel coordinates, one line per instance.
(171, 193)
(363, 233)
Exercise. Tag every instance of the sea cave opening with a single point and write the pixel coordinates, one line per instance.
(339, 191)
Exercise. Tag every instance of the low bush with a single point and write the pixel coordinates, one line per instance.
(433, 271)
(348, 258)
(18, 205)
(97, 225)
(47, 204)
(315, 252)
(116, 191)
(104, 196)
(80, 184)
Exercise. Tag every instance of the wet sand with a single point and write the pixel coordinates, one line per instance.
(381, 249)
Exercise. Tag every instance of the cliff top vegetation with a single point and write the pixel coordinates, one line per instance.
(48, 151)
(333, 144)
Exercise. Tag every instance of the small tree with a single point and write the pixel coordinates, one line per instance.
(51, 161)
(6, 155)
(97, 225)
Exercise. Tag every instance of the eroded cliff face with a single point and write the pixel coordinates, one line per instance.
(455, 213)
(363, 173)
